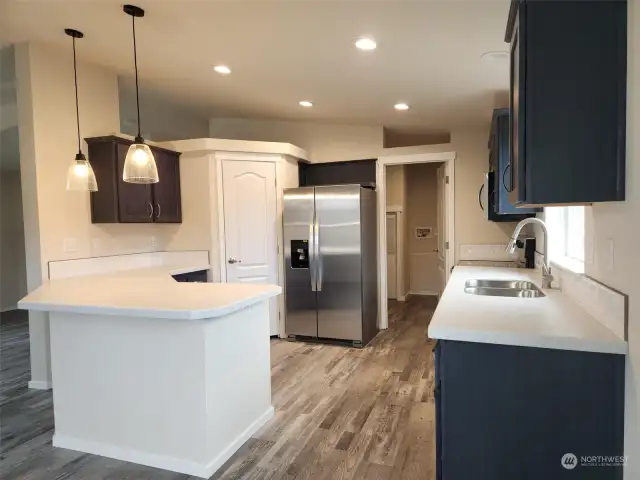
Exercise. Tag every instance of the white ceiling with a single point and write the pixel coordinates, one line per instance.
(284, 51)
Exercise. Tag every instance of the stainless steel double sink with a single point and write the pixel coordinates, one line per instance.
(503, 288)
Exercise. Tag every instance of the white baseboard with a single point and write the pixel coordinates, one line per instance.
(40, 385)
(188, 467)
(402, 298)
(425, 292)
(233, 447)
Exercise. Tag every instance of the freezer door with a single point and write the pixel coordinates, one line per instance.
(339, 285)
(300, 296)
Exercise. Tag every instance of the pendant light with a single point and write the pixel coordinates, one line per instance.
(80, 176)
(139, 164)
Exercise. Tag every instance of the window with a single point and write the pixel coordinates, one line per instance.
(566, 232)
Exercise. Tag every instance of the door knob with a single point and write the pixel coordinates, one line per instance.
(233, 260)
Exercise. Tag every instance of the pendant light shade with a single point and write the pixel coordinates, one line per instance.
(139, 164)
(80, 176)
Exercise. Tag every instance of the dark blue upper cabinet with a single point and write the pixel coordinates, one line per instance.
(500, 166)
(567, 102)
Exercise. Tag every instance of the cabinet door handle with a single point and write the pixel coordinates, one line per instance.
(159, 211)
(480, 197)
(504, 172)
(150, 205)
(233, 260)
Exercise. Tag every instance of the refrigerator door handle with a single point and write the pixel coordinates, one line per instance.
(318, 259)
(312, 249)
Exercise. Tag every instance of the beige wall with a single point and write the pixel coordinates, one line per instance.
(161, 119)
(45, 80)
(395, 183)
(422, 211)
(323, 142)
(402, 138)
(13, 273)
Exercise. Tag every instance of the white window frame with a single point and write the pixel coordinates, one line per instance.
(566, 227)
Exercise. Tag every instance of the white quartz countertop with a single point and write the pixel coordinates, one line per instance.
(553, 321)
(146, 292)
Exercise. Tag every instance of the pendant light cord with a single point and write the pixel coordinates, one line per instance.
(75, 77)
(135, 63)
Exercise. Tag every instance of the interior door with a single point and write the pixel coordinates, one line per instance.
(442, 227)
(249, 194)
(339, 282)
(300, 292)
(392, 255)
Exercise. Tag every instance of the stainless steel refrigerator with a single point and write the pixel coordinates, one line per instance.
(331, 269)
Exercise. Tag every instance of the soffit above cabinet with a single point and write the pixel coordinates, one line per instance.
(210, 145)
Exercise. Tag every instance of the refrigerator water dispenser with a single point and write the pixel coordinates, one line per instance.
(299, 253)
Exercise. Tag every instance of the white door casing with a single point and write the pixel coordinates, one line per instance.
(442, 227)
(402, 158)
(250, 225)
(392, 256)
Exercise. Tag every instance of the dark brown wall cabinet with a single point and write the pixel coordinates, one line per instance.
(568, 101)
(119, 202)
(361, 172)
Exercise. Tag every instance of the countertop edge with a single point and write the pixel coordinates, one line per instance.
(555, 343)
(184, 314)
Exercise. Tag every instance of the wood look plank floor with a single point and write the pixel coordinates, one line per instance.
(341, 413)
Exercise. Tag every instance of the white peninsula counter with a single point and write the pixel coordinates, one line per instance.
(152, 371)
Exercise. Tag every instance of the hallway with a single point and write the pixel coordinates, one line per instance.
(340, 412)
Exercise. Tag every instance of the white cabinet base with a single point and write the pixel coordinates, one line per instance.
(181, 395)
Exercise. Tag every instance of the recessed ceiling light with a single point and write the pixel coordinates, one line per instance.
(306, 103)
(495, 56)
(401, 106)
(366, 44)
(222, 69)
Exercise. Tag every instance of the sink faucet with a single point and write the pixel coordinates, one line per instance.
(547, 278)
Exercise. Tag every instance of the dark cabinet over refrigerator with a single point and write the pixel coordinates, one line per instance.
(331, 279)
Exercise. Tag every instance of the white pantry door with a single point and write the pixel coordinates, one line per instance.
(250, 219)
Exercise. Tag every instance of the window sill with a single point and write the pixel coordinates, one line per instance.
(568, 264)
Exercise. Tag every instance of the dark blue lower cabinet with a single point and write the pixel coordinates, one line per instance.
(437, 398)
(507, 412)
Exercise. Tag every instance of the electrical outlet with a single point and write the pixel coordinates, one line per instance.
(154, 242)
(69, 245)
